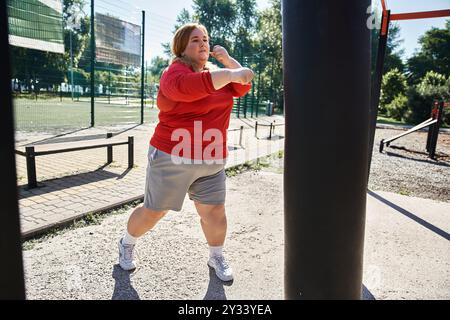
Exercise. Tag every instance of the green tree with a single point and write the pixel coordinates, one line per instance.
(393, 56)
(77, 26)
(269, 60)
(434, 86)
(219, 18)
(434, 54)
(182, 18)
(393, 84)
(246, 18)
(158, 64)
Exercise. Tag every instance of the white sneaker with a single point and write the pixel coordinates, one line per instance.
(126, 261)
(223, 270)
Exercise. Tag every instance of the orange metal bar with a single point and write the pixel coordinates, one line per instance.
(420, 15)
(386, 19)
(383, 4)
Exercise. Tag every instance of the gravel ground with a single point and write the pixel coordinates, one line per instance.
(405, 168)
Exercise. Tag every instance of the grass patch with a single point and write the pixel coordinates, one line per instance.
(387, 120)
(404, 192)
(255, 165)
(88, 220)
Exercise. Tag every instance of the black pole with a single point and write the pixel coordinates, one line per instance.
(327, 76)
(130, 152)
(31, 167)
(376, 84)
(431, 128)
(142, 67)
(12, 284)
(92, 64)
(435, 134)
(253, 98)
(259, 84)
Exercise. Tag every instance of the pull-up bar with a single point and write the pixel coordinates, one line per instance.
(382, 42)
(388, 16)
(415, 15)
(421, 15)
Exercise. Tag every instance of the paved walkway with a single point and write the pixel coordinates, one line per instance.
(74, 184)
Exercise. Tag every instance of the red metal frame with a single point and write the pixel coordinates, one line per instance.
(415, 15)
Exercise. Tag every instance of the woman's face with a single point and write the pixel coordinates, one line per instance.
(198, 47)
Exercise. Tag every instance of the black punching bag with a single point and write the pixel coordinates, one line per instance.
(326, 49)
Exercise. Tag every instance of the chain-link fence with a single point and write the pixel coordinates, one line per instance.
(266, 95)
(78, 63)
(67, 75)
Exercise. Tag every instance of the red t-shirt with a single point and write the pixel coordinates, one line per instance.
(190, 106)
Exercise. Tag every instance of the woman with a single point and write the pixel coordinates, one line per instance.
(188, 148)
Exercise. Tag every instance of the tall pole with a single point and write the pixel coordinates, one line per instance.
(376, 83)
(71, 65)
(259, 83)
(326, 76)
(142, 67)
(12, 284)
(92, 64)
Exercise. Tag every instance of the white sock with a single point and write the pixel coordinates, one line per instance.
(215, 251)
(128, 238)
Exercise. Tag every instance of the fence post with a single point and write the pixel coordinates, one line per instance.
(256, 129)
(431, 128)
(253, 98)
(142, 67)
(240, 135)
(92, 64)
(435, 135)
(270, 131)
(31, 167)
(109, 149)
(130, 152)
(238, 106)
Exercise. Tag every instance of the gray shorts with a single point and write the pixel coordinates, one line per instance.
(167, 183)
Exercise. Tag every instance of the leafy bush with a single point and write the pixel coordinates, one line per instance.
(394, 84)
(433, 86)
(397, 107)
(419, 106)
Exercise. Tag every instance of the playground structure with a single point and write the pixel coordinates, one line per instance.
(433, 123)
(386, 18)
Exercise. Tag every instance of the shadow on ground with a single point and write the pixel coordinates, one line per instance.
(123, 289)
(216, 290)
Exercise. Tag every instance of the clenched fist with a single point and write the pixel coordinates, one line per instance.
(221, 54)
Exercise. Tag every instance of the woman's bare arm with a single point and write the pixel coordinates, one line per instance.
(222, 77)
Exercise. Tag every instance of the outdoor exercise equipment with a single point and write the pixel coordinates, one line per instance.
(433, 123)
(326, 76)
(387, 17)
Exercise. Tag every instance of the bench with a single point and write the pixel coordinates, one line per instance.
(31, 152)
